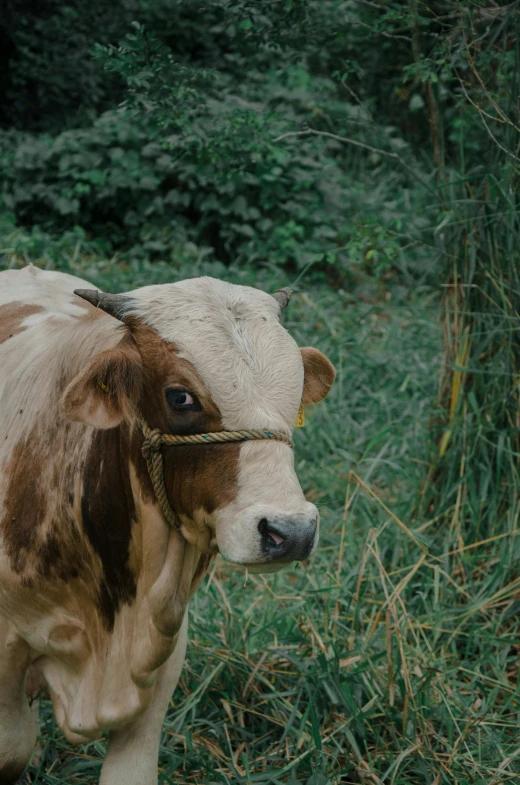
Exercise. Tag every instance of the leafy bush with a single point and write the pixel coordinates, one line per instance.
(209, 173)
(193, 154)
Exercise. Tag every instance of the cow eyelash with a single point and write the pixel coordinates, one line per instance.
(182, 400)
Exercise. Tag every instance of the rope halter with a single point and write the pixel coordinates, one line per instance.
(154, 440)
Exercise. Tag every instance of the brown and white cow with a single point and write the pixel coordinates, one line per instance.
(94, 583)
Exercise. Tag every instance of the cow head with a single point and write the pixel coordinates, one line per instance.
(198, 356)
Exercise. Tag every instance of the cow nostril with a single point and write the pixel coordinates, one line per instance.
(285, 537)
(269, 534)
(275, 538)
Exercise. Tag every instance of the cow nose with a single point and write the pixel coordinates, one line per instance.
(287, 537)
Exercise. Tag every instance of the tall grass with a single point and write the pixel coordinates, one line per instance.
(474, 481)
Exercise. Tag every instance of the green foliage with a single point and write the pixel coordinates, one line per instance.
(246, 198)
(193, 154)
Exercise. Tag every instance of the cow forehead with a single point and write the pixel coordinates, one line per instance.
(233, 337)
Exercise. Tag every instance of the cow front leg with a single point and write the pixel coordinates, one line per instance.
(18, 724)
(133, 751)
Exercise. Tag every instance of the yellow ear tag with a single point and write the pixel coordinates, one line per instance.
(300, 417)
(103, 386)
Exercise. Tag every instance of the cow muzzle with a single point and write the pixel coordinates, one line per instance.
(265, 538)
(286, 537)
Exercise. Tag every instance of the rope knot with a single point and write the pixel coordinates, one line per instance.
(154, 438)
(152, 441)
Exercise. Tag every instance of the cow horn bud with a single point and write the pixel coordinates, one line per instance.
(282, 297)
(114, 304)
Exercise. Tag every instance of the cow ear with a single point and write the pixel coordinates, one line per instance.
(105, 391)
(319, 374)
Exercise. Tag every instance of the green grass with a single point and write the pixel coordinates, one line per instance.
(391, 656)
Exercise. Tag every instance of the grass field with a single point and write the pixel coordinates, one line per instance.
(392, 656)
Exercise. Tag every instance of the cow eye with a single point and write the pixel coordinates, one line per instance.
(182, 399)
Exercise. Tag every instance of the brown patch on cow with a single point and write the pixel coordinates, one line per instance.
(37, 548)
(69, 508)
(42, 538)
(196, 476)
(55, 559)
(12, 316)
(41, 535)
(108, 511)
(25, 504)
